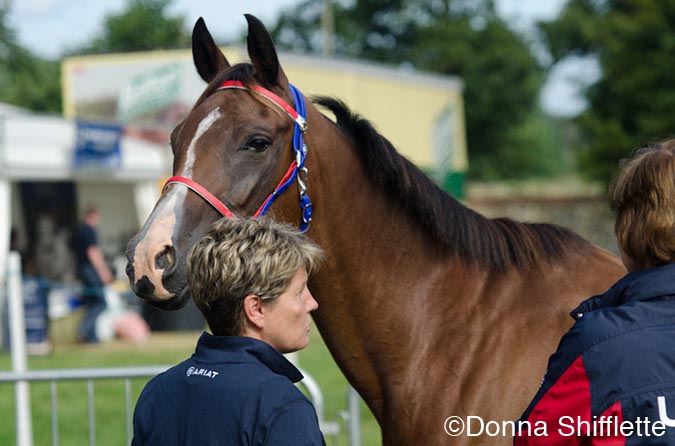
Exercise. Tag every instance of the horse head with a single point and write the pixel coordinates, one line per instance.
(229, 153)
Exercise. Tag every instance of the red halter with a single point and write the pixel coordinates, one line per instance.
(298, 163)
(202, 192)
(273, 98)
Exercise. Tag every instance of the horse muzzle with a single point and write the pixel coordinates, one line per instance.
(154, 276)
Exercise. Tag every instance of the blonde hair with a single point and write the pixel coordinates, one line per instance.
(643, 197)
(242, 256)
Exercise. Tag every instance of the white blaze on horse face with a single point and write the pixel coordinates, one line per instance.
(156, 238)
(203, 126)
(159, 234)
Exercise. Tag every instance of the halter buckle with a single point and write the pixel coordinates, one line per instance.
(302, 176)
(302, 124)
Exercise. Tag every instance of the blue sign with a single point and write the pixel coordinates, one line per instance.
(35, 310)
(98, 145)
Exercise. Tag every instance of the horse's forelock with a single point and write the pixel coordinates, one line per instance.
(241, 72)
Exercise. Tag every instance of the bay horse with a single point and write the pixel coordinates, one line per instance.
(430, 309)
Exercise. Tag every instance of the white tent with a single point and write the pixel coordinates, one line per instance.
(41, 148)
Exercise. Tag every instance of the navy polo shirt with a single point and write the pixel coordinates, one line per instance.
(234, 390)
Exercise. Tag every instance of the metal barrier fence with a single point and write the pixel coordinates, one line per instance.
(329, 428)
(53, 376)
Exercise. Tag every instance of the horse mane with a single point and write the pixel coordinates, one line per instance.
(497, 243)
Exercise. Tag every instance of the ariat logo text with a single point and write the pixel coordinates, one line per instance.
(194, 371)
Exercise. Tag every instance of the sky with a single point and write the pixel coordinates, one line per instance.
(51, 27)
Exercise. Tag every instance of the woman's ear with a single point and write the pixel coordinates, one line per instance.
(254, 310)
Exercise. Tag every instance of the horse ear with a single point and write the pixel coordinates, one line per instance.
(262, 53)
(208, 58)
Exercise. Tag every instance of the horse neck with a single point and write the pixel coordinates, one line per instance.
(352, 214)
(375, 258)
(391, 300)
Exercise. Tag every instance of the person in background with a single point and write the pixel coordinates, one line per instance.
(92, 271)
(248, 277)
(612, 379)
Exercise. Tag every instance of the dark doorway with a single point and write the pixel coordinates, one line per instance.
(50, 215)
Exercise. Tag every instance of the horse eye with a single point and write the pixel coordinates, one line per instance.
(257, 145)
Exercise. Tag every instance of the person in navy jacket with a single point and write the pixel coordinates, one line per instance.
(612, 380)
(249, 279)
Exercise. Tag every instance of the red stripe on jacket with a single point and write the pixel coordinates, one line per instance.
(564, 414)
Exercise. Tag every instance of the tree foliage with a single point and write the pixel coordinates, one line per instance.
(455, 37)
(26, 80)
(502, 82)
(31, 82)
(633, 101)
(144, 25)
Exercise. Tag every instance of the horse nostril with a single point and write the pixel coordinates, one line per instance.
(166, 258)
(144, 287)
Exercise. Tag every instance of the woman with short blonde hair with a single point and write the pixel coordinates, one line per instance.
(239, 257)
(249, 279)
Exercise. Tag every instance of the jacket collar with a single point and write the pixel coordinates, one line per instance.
(647, 284)
(243, 349)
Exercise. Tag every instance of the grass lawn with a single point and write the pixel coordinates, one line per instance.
(161, 349)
